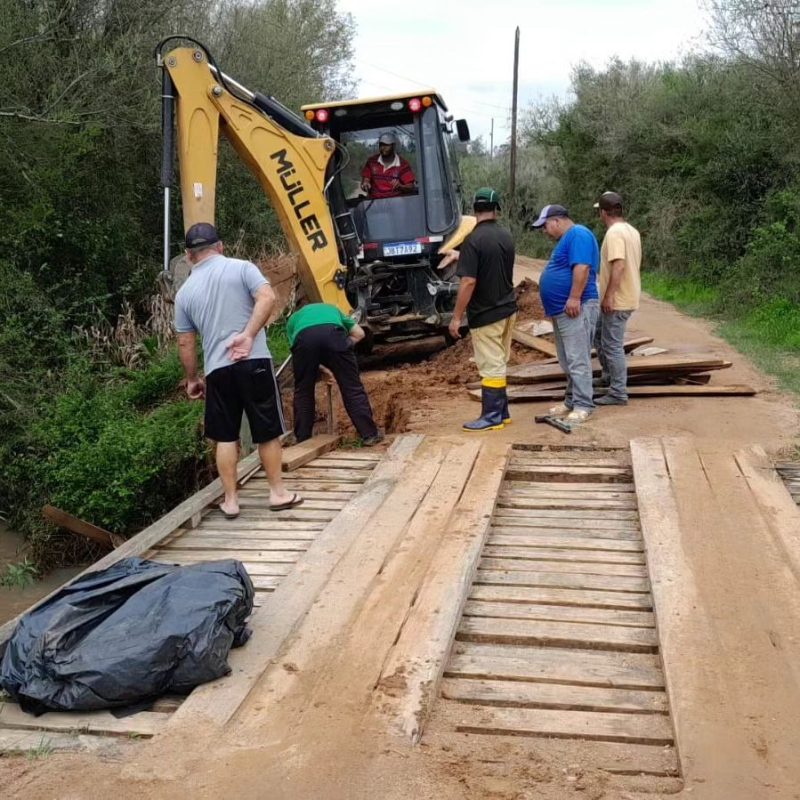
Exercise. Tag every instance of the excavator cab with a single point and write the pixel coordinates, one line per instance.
(402, 224)
(368, 249)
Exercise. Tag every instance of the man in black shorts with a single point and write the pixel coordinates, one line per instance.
(228, 301)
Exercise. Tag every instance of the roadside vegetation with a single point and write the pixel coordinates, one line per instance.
(92, 410)
(706, 153)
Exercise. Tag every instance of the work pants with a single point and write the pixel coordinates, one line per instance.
(329, 346)
(574, 337)
(610, 344)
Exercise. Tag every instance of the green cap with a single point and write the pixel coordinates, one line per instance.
(486, 196)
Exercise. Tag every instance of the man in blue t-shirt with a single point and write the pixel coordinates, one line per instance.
(568, 288)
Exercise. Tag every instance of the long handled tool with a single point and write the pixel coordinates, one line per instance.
(547, 419)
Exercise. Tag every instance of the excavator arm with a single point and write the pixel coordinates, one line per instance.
(290, 160)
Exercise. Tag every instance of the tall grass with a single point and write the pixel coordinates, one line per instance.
(768, 334)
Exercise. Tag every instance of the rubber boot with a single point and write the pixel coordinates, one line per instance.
(506, 412)
(491, 417)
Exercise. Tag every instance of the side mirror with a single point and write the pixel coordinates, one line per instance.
(463, 130)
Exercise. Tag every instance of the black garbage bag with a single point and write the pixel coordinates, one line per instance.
(126, 634)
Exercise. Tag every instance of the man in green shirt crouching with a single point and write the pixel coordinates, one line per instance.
(319, 334)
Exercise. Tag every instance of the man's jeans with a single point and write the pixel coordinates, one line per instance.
(574, 337)
(610, 341)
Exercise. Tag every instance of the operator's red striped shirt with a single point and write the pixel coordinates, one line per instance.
(382, 178)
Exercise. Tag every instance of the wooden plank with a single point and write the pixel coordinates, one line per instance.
(268, 582)
(371, 456)
(594, 520)
(564, 554)
(326, 475)
(259, 507)
(562, 492)
(536, 487)
(219, 526)
(252, 567)
(775, 502)
(282, 611)
(575, 580)
(530, 529)
(530, 394)
(311, 498)
(534, 342)
(727, 610)
(562, 596)
(555, 696)
(43, 742)
(265, 518)
(339, 463)
(565, 474)
(559, 540)
(533, 373)
(422, 647)
(569, 567)
(586, 509)
(267, 546)
(300, 454)
(81, 527)
(251, 556)
(145, 723)
(527, 458)
(223, 543)
(555, 665)
(592, 726)
(321, 488)
(595, 616)
(548, 633)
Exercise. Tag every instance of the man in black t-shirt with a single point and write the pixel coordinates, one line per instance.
(486, 294)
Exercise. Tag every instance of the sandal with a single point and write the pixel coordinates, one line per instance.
(295, 501)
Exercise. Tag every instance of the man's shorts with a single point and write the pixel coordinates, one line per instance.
(248, 386)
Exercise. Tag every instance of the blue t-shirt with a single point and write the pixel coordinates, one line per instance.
(576, 246)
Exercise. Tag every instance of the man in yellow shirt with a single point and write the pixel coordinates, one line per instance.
(620, 289)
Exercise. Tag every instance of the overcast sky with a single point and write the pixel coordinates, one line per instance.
(466, 49)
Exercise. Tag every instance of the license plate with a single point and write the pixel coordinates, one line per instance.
(402, 249)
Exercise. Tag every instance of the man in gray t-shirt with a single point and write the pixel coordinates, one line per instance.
(228, 301)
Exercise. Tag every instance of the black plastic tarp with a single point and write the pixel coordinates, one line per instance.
(129, 633)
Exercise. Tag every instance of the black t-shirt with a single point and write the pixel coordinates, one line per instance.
(488, 256)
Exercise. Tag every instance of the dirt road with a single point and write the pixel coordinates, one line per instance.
(331, 745)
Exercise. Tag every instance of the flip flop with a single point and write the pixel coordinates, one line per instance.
(218, 507)
(295, 501)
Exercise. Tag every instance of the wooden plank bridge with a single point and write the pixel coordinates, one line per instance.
(595, 597)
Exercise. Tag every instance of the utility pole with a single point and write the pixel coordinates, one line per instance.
(491, 142)
(512, 184)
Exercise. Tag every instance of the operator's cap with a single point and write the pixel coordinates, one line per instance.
(387, 138)
(201, 233)
(609, 201)
(549, 212)
(486, 196)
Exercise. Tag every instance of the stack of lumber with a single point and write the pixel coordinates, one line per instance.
(648, 376)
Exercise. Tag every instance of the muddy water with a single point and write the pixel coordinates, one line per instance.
(13, 600)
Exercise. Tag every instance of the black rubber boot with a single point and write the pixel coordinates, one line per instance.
(491, 417)
(506, 412)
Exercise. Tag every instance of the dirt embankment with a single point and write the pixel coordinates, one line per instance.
(402, 392)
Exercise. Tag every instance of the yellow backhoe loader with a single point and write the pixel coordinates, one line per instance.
(372, 254)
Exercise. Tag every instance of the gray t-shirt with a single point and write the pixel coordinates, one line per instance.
(216, 301)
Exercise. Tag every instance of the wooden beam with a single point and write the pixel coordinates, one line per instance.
(421, 650)
(145, 723)
(534, 342)
(300, 454)
(682, 364)
(81, 527)
(531, 394)
(773, 498)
